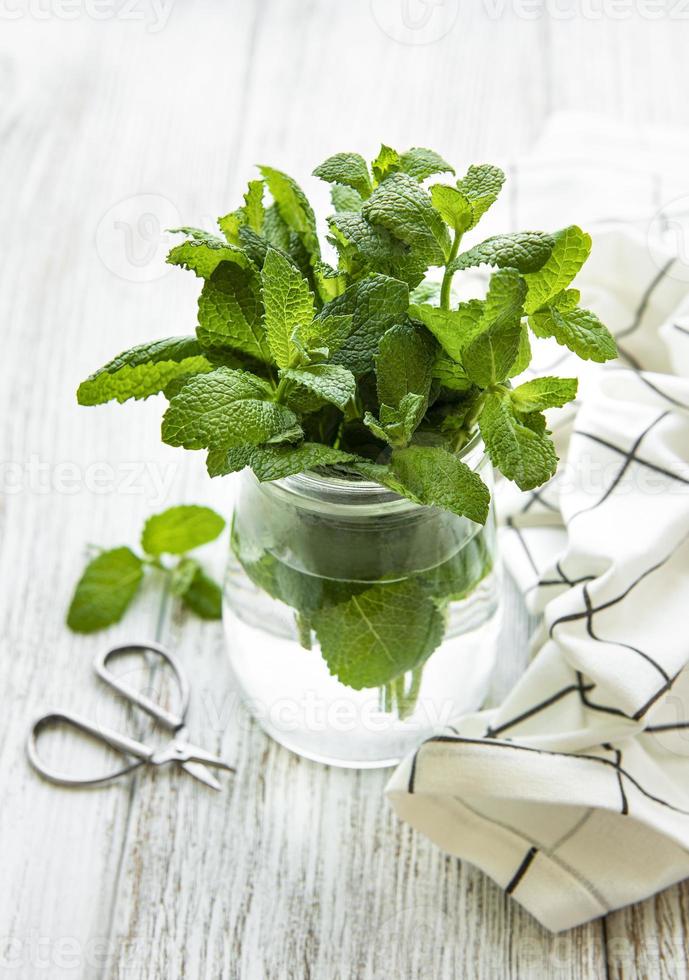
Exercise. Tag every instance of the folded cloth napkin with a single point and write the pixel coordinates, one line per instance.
(573, 795)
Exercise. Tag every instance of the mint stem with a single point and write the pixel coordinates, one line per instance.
(447, 278)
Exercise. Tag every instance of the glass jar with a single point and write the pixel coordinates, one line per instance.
(358, 623)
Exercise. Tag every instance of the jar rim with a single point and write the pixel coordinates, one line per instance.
(317, 487)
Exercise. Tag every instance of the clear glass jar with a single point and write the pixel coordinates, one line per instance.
(332, 576)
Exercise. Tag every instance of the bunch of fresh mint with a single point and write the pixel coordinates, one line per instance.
(297, 364)
(112, 579)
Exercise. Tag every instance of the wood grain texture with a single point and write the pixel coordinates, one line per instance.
(294, 870)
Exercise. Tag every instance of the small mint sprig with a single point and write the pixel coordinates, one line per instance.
(111, 580)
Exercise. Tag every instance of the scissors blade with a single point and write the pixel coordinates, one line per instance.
(181, 751)
(199, 771)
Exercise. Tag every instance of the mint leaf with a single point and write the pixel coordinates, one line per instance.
(404, 208)
(226, 408)
(404, 364)
(345, 198)
(375, 304)
(491, 354)
(182, 575)
(144, 370)
(288, 304)
(329, 331)
(378, 634)
(349, 169)
(420, 163)
(253, 212)
(364, 248)
(481, 187)
(397, 422)
(203, 255)
(523, 358)
(293, 206)
(180, 529)
(387, 162)
(579, 330)
(104, 591)
(570, 251)
(449, 373)
(330, 382)
(517, 444)
(436, 478)
(275, 462)
(453, 329)
(525, 251)
(542, 393)
(203, 596)
(230, 313)
(454, 208)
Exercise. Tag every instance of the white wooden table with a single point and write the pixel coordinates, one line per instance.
(294, 870)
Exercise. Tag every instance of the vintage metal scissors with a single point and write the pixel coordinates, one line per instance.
(191, 758)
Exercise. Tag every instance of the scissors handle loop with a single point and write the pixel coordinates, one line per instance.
(169, 719)
(121, 743)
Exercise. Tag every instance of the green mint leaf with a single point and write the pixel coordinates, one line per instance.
(294, 208)
(436, 478)
(491, 354)
(542, 393)
(275, 462)
(203, 596)
(254, 212)
(523, 358)
(454, 208)
(329, 382)
(378, 634)
(365, 248)
(144, 370)
(349, 169)
(449, 373)
(288, 305)
(109, 583)
(275, 229)
(404, 208)
(387, 162)
(329, 331)
(579, 330)
(345, 198)
(182, 575)
(481, 187)
(180, 529)
(375, 304)
(404, 364)
(329, 282)
(570, 251)
(525, 251)
(453, 329)
(420, 163)
(397, 422)
(202, 256)
(518, 445)
(226, 408)
(230, 313)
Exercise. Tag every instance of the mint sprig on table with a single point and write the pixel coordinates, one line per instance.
(112, 579)
(298, 364)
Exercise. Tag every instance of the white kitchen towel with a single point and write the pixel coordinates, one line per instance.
(574, 793)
